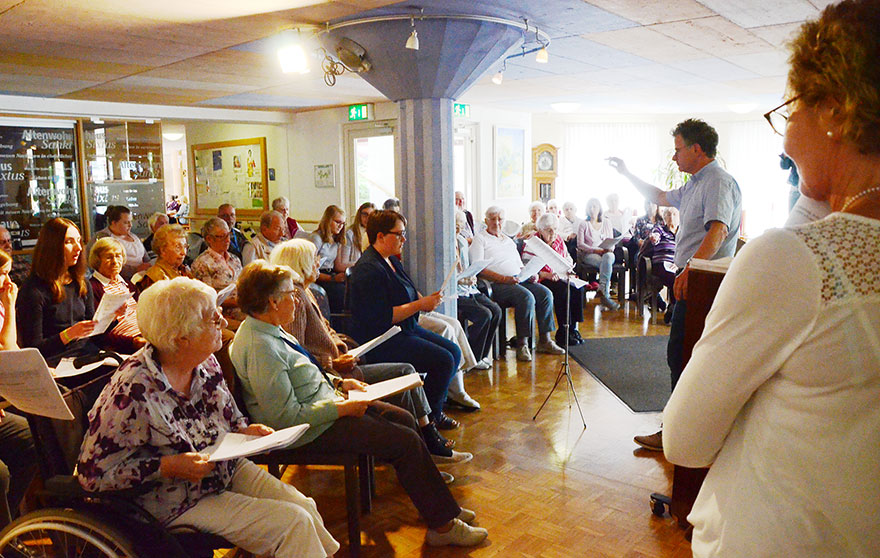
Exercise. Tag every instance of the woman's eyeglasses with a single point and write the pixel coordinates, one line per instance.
(778, 117)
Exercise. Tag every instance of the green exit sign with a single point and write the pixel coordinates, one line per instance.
(360, 112)
(461, 110)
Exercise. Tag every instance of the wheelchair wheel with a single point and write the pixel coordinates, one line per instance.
(64, 533)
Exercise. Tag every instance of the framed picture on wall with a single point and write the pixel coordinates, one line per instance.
(510, 162)
(325, 176)
(231, 172)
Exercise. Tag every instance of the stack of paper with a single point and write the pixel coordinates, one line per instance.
(234, 445)
(25, 381)
(386, 388)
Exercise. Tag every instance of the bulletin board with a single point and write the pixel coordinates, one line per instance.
(231, 172)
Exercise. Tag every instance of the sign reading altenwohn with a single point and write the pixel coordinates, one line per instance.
(38, 179)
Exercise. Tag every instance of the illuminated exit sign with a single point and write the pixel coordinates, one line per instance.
(461, 110)
(360, 112)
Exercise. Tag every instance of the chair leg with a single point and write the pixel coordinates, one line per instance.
(352, 498)
(367, 482)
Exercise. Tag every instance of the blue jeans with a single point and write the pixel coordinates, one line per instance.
(529, 300)
(604, 262)
(430, 354)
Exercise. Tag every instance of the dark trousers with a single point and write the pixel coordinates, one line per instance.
(390, 434)
(675, 347)
(335, 295)
(18, 464)
(436, 357)
(480, 316)
(576, 306)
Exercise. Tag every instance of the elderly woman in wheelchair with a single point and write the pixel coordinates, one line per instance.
(163, 407)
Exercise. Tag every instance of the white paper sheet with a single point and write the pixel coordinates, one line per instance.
(358, 351)
(234, 445)
(474, 269)
(578, 283)
(65, 367)
(530, 269)
(386, 388)
(610, 243)
(106, 311)
(25, 381)
(225, 293)
(551, 257)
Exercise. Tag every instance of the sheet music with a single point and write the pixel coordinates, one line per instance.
(577, 282)
(448, 276)
(234, 445)
(530, 269)
(358, 351)
(610, 243)
(718, 266)
(225, 293)
(25, 381)
(106, 311)
(474, 269)
(551, 257)
(386, 388)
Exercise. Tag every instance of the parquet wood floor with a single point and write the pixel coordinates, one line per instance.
(544, 488)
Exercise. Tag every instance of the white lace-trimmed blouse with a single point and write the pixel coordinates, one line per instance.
(782, 397)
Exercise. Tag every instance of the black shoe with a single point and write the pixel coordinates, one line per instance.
(437, 444)
(445, 422)
(577, 335)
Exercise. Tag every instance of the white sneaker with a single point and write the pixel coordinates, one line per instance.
(523, 354)
(484, 364)
(548, 347)
(448, 479)
(463, 400)
(461, 534)
(467, 516)
(456, 457)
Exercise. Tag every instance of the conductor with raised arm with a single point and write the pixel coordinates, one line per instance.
(710, 205)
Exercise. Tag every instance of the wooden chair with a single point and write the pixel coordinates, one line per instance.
(360, 486)
(647, 288)
(618, 271)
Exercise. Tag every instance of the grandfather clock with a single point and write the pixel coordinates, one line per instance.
(544, 170)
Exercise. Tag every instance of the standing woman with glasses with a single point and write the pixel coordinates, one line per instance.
(329, 239)
(382, 295)
(780, 395)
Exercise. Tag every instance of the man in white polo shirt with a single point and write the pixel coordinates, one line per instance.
(527, 298)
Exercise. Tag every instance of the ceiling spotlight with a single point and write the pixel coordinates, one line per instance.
(542, 57)
(412, 42)
(291, 55)
(498, 78)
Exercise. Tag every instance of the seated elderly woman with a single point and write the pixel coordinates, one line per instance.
(530, 227)
(382, 295)
(107, 257)
(217, 266)
(282, 386)
(548, 227)
(119, 227)
(162, 409)
(328, 348)
(169, 244)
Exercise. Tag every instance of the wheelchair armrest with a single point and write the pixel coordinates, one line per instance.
(484, 287)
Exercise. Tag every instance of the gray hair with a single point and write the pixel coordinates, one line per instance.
(280, 202)
(267, 216)
(494, 210)
(102, 246)
(212, 225)
(547, 221)
(536, 204)
(155, 217)
(170, 310)
(165, 235)
(460, 218)
(569, 205)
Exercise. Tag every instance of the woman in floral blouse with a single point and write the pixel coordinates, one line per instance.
(218, 267)
(163, 408)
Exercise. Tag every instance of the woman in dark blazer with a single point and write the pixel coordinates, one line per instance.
(382, 295)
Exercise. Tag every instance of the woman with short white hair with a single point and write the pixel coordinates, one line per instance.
(536, 209)
(106, 258)
(163, 408)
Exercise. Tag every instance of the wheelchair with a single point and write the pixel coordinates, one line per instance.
(81, 524)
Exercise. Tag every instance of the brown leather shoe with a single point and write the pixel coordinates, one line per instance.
(653, 442)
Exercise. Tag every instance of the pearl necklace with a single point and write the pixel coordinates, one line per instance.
(861, 194)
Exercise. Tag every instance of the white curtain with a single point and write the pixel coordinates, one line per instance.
(584, 172)
(753, 159)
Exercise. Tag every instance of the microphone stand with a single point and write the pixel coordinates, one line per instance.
(565, 368)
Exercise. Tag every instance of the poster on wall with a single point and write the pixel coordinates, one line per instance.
(231, 172)
(38, 177)
(510, 161)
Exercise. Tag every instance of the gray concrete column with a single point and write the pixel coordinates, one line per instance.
(426, 192)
